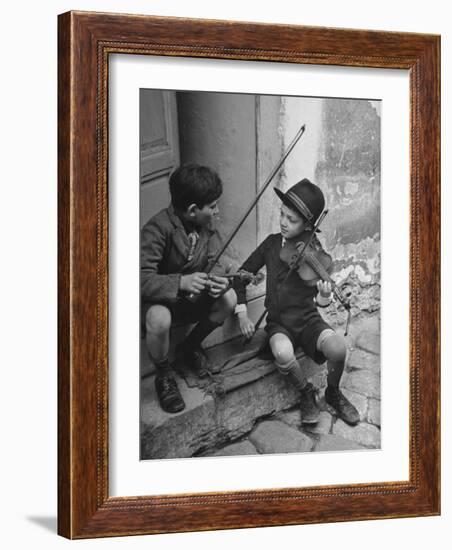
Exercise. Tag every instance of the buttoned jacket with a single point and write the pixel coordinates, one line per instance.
(290, 301)
(164, 255)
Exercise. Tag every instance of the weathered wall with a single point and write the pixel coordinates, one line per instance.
(243, 136)
(349, 171)
(340, 152)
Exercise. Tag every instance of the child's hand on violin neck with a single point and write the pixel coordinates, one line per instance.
(217, 285)
(194, 283)
(324, 288)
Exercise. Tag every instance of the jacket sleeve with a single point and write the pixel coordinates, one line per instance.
(254, 262)
(154, 286)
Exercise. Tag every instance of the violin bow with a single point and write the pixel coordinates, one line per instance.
(267, 182)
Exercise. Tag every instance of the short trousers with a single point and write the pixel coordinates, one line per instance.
(306, 338)
(183, 312)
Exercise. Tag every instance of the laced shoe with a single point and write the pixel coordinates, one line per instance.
(308, 406)
(344, 409)
(168, 393)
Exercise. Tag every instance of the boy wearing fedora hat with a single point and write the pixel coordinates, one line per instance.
(293, 319)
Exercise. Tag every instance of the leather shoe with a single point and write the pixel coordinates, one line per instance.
(169, 395)
(308, 406)
(344, 409)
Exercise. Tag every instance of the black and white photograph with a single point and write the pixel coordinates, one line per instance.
(259, 274)
(225, 227)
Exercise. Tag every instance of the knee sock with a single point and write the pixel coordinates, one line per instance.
(335, 370)
(295, 372)
(162, 367)
(201, 331)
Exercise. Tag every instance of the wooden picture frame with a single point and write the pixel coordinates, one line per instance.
(86, 40)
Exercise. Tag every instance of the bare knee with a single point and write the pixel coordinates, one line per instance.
(282, 348)
(158, 320)
(334, 348)
(229, 301)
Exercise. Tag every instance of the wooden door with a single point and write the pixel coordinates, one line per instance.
(159, 149)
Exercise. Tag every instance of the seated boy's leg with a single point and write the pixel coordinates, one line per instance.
(220, 309)
(334, 349)
(158, 326)
(286, 362)
(283, 352)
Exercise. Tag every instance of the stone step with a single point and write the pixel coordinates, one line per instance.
(227, 407)
(220, 409)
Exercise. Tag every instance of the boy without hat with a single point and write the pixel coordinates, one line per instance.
(293, 319)
(176, 247)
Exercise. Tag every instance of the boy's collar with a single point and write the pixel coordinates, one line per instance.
(189, 227)
(174, 218)
(179, 222)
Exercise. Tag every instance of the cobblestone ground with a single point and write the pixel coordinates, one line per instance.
(284, 433)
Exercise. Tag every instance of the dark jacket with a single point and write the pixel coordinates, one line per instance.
(290, 304)
(164, 253)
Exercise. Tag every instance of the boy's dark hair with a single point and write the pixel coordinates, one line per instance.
(194, 184)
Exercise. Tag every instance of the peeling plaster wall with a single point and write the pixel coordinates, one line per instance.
(349, 171)
(340, 152)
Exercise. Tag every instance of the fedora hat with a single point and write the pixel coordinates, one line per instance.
(305, 198)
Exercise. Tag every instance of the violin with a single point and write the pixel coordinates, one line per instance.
(241, 275)
(307, 257)
(314, 265)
